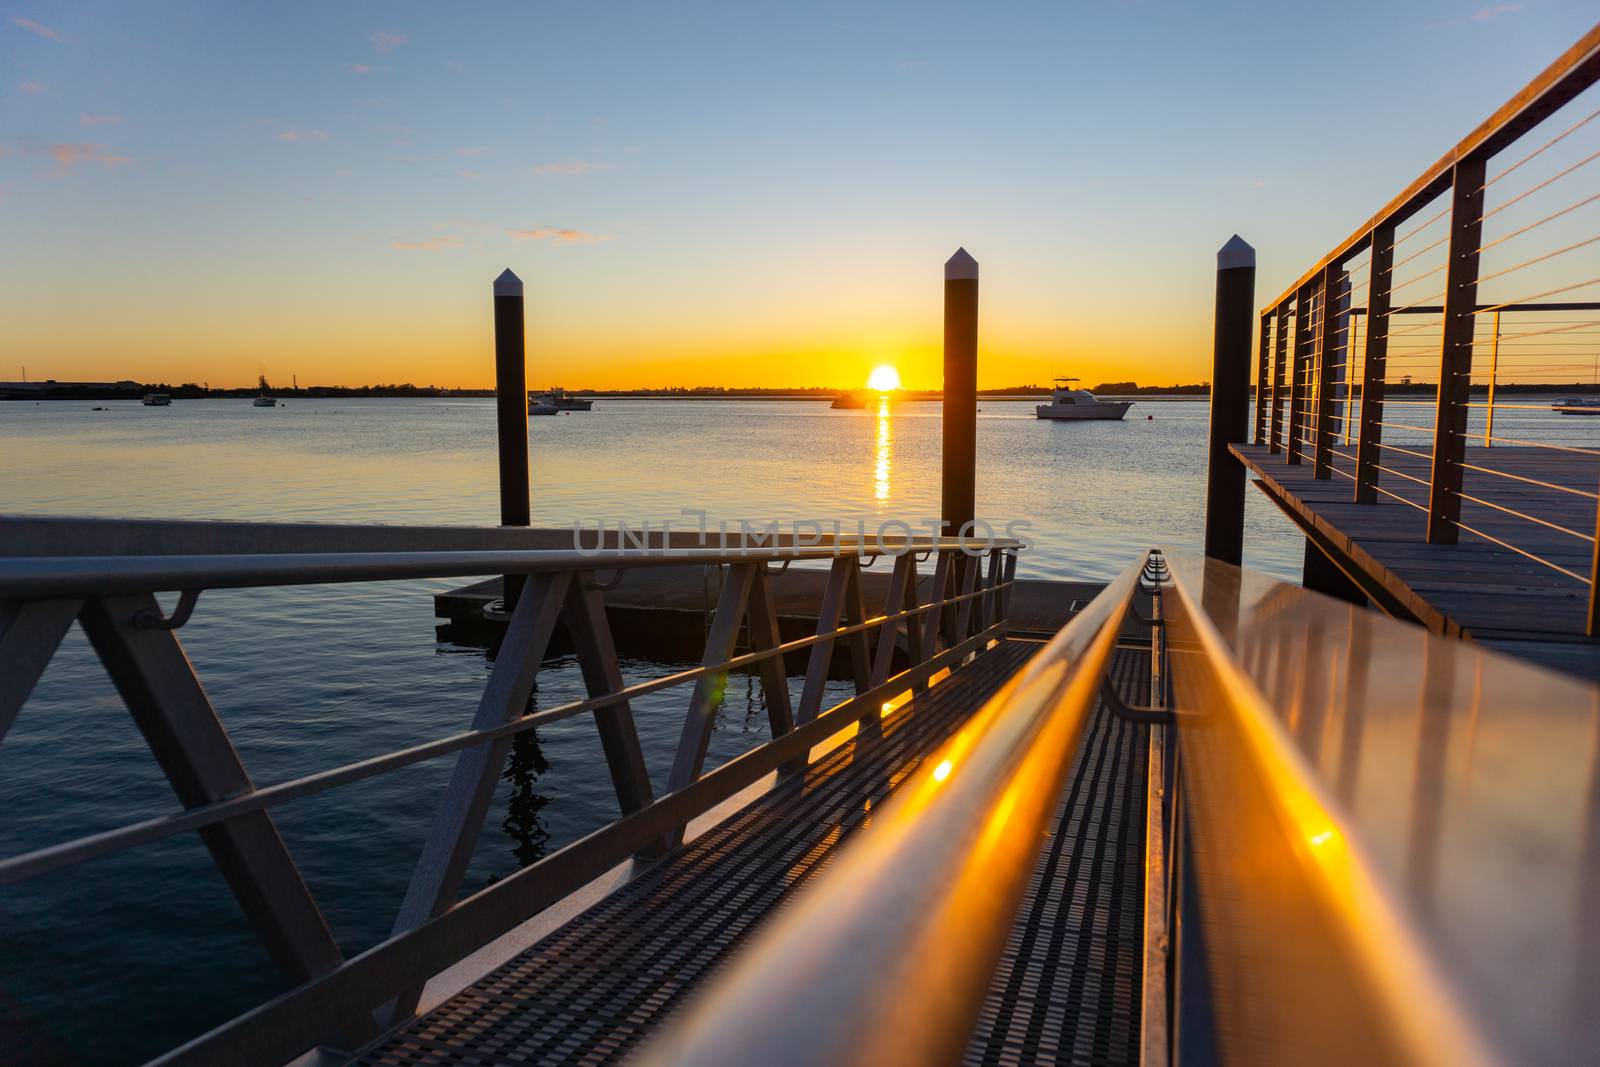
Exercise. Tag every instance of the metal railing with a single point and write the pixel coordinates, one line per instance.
(1329, 877)
(888, 958)
(1406, 357)
(348, 1000)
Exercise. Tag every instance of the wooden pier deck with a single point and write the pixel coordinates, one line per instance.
(1067, 986)
(1475, 589)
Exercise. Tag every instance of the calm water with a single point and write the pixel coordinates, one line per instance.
(148, 948)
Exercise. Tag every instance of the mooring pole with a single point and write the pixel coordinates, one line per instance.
(1230, 400)
(956, 502)
(511, 413)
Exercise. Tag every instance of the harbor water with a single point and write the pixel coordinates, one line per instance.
(118, 959)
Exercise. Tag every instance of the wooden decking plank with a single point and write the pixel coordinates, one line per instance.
(1476, 588)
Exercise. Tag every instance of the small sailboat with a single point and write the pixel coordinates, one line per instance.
(264, 399)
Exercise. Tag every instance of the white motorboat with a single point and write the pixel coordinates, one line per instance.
(1577, 405)
(156, 400)
(557, 398)
(537, 406)
(264, 399)
(1070, 403)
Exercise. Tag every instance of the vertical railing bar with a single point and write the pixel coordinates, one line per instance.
(709, 688)
(1263, 376)
(1327, 360)
(904, 573)
(1298, 375)
(822, 652)
(1374, 363)
(762, 624)
(937, 590)
(1592, 627)
(972, 567)
(853, 610)
(1494, 371)
(1455, 350)
(1280, 346)
(590, 630)
(915, 656)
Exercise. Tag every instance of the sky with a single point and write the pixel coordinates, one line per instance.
(744, 194)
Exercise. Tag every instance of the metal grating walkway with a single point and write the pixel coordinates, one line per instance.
(1067, 987)
(593, 990)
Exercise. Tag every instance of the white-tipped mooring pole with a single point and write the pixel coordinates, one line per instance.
(511, 414)
(1230, 399)
(957, 490)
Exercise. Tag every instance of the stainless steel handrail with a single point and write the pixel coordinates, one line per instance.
(37, 577)
(887, 958)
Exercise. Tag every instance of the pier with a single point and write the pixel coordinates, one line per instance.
(1441, 502)
(1190, 816)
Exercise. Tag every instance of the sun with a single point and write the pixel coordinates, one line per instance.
(883, 378)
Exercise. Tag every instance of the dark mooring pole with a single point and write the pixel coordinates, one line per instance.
(511, 414)
(1230, 399)
(956, 501)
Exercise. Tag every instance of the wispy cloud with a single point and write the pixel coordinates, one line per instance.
(386, 41)
(35, 27)
(68, 156)
(1483, 14)
(302, 135)
(432, 244)
(469, 174)
(359, 68)
(87, 119)
(476, 150)
(570, 167)
(558, 235)
(31, 88)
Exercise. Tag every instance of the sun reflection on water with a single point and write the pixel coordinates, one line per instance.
(880, 471)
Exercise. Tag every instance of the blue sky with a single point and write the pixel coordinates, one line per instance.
(751, 193)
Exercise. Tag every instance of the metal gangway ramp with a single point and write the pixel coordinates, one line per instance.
(1216, 818)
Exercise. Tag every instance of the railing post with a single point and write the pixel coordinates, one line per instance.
(1230, 383)
(1327, 364)
(1494, 373)
(1455, 356)
(957, 504)
(1299, 363)
(1280, 347)
(1593, 627)
(511, 416)
(1374, 362)
(1263, 379)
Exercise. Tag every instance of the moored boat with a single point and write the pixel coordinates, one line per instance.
(1577, 405)
(1070, 403)
(264, 399)
(559, 399)
(156, 400)
(849, 401)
